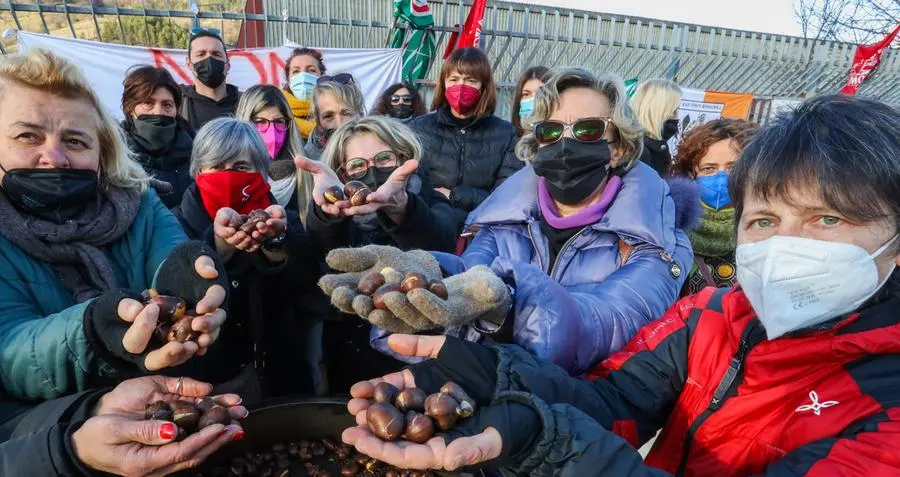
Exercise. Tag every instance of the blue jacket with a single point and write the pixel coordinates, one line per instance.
(43, 349)
(587, 305)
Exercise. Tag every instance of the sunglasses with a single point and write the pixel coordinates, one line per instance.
(340, 78)
(583, 130)
(401, 99)
(357, 167)
(201, 30)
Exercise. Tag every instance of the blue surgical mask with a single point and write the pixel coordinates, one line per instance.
(302, 85)
(714, 190)
(526, 107)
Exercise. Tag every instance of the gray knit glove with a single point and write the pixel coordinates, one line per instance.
(359, 262)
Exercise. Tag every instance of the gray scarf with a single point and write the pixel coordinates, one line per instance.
(75, 249)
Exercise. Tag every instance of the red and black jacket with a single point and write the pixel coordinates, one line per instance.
(823, 402)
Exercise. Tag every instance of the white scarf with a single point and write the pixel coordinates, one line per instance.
(283, 189)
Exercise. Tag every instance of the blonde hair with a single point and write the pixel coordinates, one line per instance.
(653, 102)
(349, 94)
(44, 71)
(628, 130)
(263, 96)
(398, 136)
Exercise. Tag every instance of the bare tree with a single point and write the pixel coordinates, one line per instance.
(854, 21)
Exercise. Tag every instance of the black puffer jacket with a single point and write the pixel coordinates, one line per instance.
(656, 154)
(469, 159)
(171, 166)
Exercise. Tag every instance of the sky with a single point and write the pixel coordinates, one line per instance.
(767, 16)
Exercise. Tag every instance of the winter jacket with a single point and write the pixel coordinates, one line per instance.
(302, 110)
(470, 161)
(171, 166)
(428, 223)
(43, 349)
(40, 444)
(818, 402)
(198, 110)
(271, 307)
(656, 154)
(589, 303)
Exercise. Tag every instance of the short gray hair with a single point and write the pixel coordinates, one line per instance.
(629, 130)
(226, 139)
(398, 136)
(349, 94)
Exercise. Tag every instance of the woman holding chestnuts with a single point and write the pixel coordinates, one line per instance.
(375, 195)
(267, 256)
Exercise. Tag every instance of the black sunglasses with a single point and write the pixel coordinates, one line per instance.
(583, 130)
(401, 98)
(201, 30)
(340, 78)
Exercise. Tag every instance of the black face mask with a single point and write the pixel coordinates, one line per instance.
(55, 195)
(210, 72)
(376, 178)
(401, 111)
(154, 132)
(670, 129)
(573, 170)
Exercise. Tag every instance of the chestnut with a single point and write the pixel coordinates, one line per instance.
(158, 410)
(391, 473)
(215, 415)
(442, 407)
(438, 288)
(411, 399)
(171, 308)
(412, 281)
(181, 330)
(356, 192)
(419, 427)
(391, 275)
(466, 404)
(207, 403)
(385, 393)
(369, 283)
(185, 415)
(385, 421)
(255, 217)
(333, 194)
(317, 449)
(350, 469)
(378, 296)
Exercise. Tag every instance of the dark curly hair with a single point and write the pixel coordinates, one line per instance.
(383, 106)
(697, 142)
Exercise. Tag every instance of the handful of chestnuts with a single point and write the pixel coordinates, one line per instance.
(188, 416)
(388, 280)
(413, 416)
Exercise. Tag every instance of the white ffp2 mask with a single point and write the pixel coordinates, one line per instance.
(795, 282)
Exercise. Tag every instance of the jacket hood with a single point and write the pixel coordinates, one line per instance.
(645, 210)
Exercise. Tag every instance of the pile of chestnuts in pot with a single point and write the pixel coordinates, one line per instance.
(188, 416)
(247, 223)
(388, 280)
(174, 322)
(354, 191)
(309, 458)
(413, 416)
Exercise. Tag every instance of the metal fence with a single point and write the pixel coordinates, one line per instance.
(515, 37)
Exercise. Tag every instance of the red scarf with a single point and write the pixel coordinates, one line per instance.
(241, 191)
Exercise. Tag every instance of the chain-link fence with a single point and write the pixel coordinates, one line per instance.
(515, 36)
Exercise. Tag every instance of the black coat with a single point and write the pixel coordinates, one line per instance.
(271, 306)
(656, 155)
(471, 160)
(198, 110)
(38, 443)
(171, 166)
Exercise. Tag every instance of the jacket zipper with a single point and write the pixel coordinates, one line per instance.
(723, 391)
(563, 249)
(537, 251)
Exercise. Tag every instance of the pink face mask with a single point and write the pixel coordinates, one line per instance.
(462, 97)
(273, 135)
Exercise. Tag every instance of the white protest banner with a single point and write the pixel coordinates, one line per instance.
(105, 65)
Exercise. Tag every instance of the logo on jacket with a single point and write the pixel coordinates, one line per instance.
(816, 406)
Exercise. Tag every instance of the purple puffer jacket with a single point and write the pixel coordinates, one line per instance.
(587, 305)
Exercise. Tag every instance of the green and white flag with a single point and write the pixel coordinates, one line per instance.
(631, 86)
(413, 32)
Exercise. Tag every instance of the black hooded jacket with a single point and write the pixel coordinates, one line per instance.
(198, 110)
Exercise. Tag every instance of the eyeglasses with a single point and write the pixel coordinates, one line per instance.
(200, 30)
(263, 124)
(401, 99)
(583, 130)
(357, 167)
(340, 78)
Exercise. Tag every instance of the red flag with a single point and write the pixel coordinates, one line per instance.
(866, 61)
(471, 32)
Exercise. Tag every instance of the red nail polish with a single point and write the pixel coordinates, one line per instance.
(167, 431)
(238, 435)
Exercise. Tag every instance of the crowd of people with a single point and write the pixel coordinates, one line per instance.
(735, 296)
